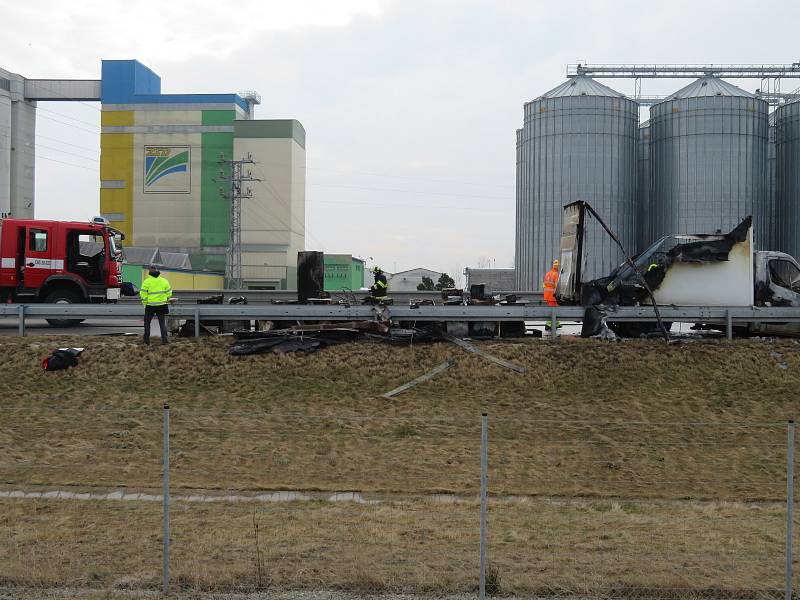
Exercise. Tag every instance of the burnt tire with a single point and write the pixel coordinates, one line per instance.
(63, 297)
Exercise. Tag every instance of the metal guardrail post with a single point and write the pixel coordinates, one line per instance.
(484, 494)
(21, 321)
(197, 322)
(789, 507)
(728, 324)
(553, 324)
(165, 478)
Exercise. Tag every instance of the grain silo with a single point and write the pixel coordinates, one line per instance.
(772, 241)
(643, 226)
(787, 176)
(578, 143)
(708, 160)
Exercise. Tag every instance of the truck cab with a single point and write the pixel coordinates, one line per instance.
(59, 261)
(777, 283)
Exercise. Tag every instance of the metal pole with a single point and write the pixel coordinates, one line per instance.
(21, 320)
(484, 493)
(197, 322)
(553, 324)
(789, 507)
(166, 501)
(728, 325)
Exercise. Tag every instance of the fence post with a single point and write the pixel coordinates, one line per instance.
(165, 492)
(21, 320)
(789, 507)
(728, 324)
(484, 494)
(197, 322)
(553, 324)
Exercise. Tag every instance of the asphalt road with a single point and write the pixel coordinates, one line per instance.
(39, 327)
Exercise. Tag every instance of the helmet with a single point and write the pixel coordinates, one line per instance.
(555, 263)
(376, 269)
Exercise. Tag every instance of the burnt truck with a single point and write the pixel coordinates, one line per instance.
(719, 269)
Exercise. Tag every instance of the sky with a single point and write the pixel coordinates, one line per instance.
(410, 107)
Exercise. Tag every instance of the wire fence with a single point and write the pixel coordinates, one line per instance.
(259, 500)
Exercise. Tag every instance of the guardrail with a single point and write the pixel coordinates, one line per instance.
(727, 316)
(191, 296)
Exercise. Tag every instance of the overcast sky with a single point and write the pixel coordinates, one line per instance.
(410, 108)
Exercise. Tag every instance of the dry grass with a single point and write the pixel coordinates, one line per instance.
(537, 546)
(318, 422)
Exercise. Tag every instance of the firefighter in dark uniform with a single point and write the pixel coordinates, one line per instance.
(380, 288)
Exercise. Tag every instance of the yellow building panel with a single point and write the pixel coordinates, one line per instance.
(116, 176)
(209, 282)
(179, 281)
(116, 118)
(183, 280)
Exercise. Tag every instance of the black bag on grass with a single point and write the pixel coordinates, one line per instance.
(60, 359)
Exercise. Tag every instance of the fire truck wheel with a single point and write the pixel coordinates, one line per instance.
(63, 297)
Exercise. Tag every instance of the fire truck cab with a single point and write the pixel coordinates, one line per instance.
(59, 261)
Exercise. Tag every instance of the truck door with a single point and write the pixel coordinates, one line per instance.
(37, 265)
(784, 276)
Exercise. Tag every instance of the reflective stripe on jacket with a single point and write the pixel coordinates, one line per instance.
(155, 291)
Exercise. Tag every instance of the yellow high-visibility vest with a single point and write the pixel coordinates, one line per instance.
(155, 291)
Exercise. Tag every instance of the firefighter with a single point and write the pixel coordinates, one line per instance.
(550, 282)
(380, 288)
(155, 293)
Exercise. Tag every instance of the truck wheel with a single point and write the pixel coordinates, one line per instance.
(63, 297)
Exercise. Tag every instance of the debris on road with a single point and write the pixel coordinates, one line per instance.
(490, 357)
(421, 379)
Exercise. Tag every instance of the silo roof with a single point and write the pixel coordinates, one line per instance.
(581, 86)
(709, 86)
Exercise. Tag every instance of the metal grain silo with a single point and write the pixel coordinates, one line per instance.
(772, 241)
(708, 160)
(787, 177)
(643, 225)
(578, 143)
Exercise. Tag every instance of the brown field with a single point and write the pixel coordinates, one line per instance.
(626, 478)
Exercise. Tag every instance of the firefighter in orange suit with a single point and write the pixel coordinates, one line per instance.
(550, 282)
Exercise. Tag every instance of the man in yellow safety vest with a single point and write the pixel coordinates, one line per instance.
(155, 294)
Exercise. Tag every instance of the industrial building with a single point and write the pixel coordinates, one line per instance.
(709, 155)
(343, 272)
(164, 181)
(495, 280)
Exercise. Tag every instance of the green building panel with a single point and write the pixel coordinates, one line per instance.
(214, 208)
(343, 272)
(132, 274)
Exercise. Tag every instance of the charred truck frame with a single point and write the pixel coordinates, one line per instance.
(678, 270)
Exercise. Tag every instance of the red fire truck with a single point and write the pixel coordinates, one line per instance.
(59, 261)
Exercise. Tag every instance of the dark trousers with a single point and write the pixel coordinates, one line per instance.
(160, 312)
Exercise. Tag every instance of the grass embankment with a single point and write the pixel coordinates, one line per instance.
(570, 427)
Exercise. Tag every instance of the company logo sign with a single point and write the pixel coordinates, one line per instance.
(167, 170)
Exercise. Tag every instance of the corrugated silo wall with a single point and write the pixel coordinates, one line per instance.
(708, 161)
(772, 241)
(643, 229)
(519, 217)
(575, 148)
(787, 176)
